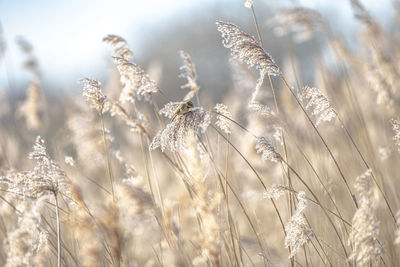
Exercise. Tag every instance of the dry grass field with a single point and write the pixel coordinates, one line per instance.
(278, 173)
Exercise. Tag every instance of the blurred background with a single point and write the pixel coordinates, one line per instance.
(66, 36)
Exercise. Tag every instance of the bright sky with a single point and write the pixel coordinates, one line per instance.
(66, 35)
(66, 32)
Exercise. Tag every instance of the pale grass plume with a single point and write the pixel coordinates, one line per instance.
(129, 170)
(206, 204)
(47, 177)
(5, 107)
(248, 3)
(274, 191)
(30, 63)
(396, 129)
(301, 22)
(85, 230)
(85, 136)
(69, 161)
(93, 94)
(247, 50)
(319, 104)
(176, 132)
(267, 150)
(298, 232)
(137, 84)
(170, 109)
(120, 46)
(260, 109)
(135, 198)
(365, 225)
(209, 236)
(32, 107)
(379, 83)
(397, 231)
(188, 72)
(27, 244)
(136, 219)
(278, 134)
(223, 120)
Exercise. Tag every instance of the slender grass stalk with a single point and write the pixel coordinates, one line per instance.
(323, 141)
(58, 232)
(107, 156)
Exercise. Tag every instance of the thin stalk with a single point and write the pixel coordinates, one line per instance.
(227, 203)
(367, 166)
(316, 198)
(323, 185)
(58, 232)
(235, 194)
(323, 141)
(107, 156)
(355, 145)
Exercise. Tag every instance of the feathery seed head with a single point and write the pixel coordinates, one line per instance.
(93, 94)
(267, 150)
(298, 232)
(175, 133)
(47, 176)
(319, 102)
(246, 49)
(396, 128)
(136, 81)
(365, 225)
(31, 108)
(223, 121)
(189, 73)
(302, 22)
(120, 46)
(274, 191)
(248, 3)
(262, 110)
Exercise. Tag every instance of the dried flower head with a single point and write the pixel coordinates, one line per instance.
(248, 3)
(170, 109)
(223, 121)
(246, 49)
(298, 232)
(361, 13)
(27, 244)
(189, 73)
(397, 231)
(319, 102)
(175, 134)
(261, 110)
(30, 63)
(31, 108)
(136, 81)
(46, 178)
(267, 150)
(69, 161)
(302, 22)
(275, 191)
(396, 128)
(365, 225)
(93, 94)
(120, 46)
